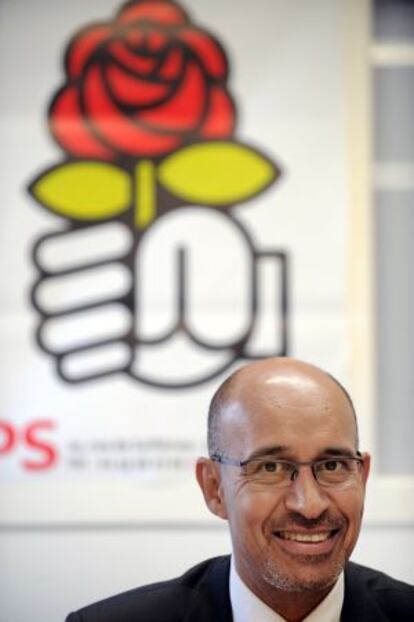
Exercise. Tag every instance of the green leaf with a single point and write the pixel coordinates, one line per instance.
(84, 190)
(216, 173)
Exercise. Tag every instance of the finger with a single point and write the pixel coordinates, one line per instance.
(269, 334)
(57, 294)
(69, 250)
(60, 335)
(95, 361)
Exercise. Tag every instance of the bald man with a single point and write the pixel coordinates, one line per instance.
(285, 470)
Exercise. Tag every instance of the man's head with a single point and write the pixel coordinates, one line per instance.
(294, 537)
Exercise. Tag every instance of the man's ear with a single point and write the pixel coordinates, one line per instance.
(366, 466)
(209, 479)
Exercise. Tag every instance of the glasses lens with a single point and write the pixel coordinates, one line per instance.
(335, 472)
(269, 471)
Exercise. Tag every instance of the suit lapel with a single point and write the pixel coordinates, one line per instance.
(211, 602)
(359, 606)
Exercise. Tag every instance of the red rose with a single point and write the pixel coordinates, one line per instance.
(142, 86)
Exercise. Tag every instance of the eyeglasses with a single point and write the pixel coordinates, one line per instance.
(336, 471)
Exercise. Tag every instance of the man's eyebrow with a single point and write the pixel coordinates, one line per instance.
(276, 450)
(270, 450)
(338, 451)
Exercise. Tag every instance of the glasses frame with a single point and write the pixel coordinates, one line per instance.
(295, 463)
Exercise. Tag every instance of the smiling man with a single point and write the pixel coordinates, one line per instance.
(284, 469)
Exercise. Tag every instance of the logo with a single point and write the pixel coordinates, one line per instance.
(151, 271)
(35, 450)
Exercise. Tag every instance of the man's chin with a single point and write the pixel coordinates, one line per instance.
(312, 576)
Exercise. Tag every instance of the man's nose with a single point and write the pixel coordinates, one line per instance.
(305, 496)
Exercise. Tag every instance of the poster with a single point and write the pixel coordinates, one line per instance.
(173, 205)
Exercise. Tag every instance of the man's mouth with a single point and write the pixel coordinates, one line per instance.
(307, 543)
(306, 537)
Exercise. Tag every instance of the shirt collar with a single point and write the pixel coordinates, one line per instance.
(247, 607)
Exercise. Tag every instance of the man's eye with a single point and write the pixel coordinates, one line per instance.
(274, 466)
(263, 467)
(333, 465)
(266, 468)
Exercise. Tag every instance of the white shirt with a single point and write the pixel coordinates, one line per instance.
(247, 607)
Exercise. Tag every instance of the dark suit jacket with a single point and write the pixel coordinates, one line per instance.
(202, 595)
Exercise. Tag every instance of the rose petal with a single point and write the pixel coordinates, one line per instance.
(133, 91)
(220, 119)
(208, 51)
(83, 46)
(116, 128)
(183, 110)
(156, 41)
(159, 11)
(135, 37)
(172, 66)
(143, 65)
(69, 129)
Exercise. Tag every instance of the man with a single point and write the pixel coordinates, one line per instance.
(286, 473)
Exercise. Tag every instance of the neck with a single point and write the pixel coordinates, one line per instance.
(292, 606)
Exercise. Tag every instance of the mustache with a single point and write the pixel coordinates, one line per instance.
(295, 519)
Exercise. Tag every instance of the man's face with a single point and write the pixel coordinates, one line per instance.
(300, 419)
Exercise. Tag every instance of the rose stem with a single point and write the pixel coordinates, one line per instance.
(145, 200)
